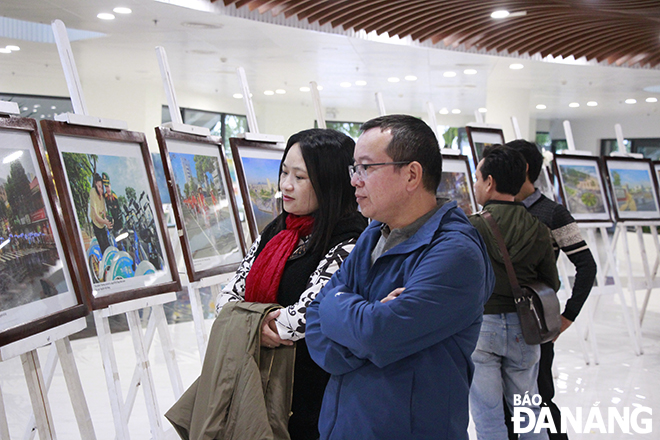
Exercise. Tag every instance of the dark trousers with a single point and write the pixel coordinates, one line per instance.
(546, 390)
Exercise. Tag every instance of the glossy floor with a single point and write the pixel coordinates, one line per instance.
(620, 379)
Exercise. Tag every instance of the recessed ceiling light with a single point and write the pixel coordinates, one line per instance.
(122, 10)
(630, 101)
(483, 110)
(24, 109)
(280, 91)
(470, 72)
(237, 96)
(410, 78)
(592, 103)
(37, 105)
(345, 84)
(360, 83)
(304, 89)
(651, 99)
(455, 111)
(393, 79)
(500, 14)
(541, 107)
(13, 48)
(268, 92)
(449, 74)
(105, 16)
(52, 107)
(516, 66)
(4, 50)
(574, 104)
(444, 111)
(319, 88)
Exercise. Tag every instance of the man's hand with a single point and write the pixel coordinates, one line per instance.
(393, 294)
(269, 336)
(565, 323)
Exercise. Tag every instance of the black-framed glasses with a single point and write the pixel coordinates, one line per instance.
(360, 170)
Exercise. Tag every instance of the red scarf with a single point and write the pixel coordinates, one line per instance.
(263, 280)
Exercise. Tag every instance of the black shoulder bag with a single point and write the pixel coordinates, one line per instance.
(537, 304)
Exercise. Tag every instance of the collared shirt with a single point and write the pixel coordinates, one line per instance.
(391, 237)
(532, 198)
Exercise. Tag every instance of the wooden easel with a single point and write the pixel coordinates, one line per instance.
(38, 384)
(121, 409)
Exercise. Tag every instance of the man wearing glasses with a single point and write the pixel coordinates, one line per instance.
(397, 324)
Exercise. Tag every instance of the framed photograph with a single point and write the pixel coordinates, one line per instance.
(582, 187)
(482, 137)
(257, 169)
(203, 201)
(39, 284)
(634, 188)
(107, 187)
(456, 183)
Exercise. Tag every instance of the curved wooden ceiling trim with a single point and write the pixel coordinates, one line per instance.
(617, 32)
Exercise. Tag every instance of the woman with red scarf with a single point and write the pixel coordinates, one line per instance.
(297, 253)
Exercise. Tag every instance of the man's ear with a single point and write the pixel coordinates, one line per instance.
(490, 184)
(415, 173)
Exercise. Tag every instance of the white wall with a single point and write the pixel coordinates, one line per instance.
(587, 133)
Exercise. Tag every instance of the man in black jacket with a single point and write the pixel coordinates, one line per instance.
(566, 237)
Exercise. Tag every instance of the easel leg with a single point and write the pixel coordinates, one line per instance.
(168, 350)
(631, 288)
(111, 375)
(72, 378)
(38, 395)
(4, 426)
(147, 380)
(198, 319)
(48, 372)
(654, 273)
(619, 287)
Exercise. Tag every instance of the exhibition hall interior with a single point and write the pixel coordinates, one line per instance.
(171, 117)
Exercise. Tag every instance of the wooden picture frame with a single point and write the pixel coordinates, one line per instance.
(456, 183)
(39, 282)
(633, 187)
(257, 169)
(134, 257)
(481, 137)
(205, 209)
(582, 187)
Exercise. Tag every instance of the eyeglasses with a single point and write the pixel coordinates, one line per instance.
(360, 170)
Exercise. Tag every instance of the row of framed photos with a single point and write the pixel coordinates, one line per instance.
(593, 189)
(89, 230)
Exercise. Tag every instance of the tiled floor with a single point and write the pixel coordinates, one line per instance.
(620, 380)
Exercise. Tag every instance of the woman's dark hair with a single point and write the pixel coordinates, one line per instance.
(327, 155)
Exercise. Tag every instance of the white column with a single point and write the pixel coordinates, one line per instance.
(504, 103)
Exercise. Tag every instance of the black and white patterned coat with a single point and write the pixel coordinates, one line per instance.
(291, 321)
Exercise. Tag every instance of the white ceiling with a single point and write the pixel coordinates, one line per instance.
(205, 48)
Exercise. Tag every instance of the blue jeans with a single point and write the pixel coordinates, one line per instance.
(504, 365)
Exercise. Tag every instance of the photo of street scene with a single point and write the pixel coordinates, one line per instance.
(30, 266)
(633, 189)
(262, 175)
(112, 200)
(455, 186)
(582, 189)
(207, 213)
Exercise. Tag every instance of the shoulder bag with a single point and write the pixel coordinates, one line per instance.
(537, 304)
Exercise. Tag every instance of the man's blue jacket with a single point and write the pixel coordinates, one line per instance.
(402, 369)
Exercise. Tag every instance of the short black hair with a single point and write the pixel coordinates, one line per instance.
(532, 155)
(327, 155)
(507, 166)
(412, 140)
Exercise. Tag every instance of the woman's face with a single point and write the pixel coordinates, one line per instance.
(298, 195)
(99, 187)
